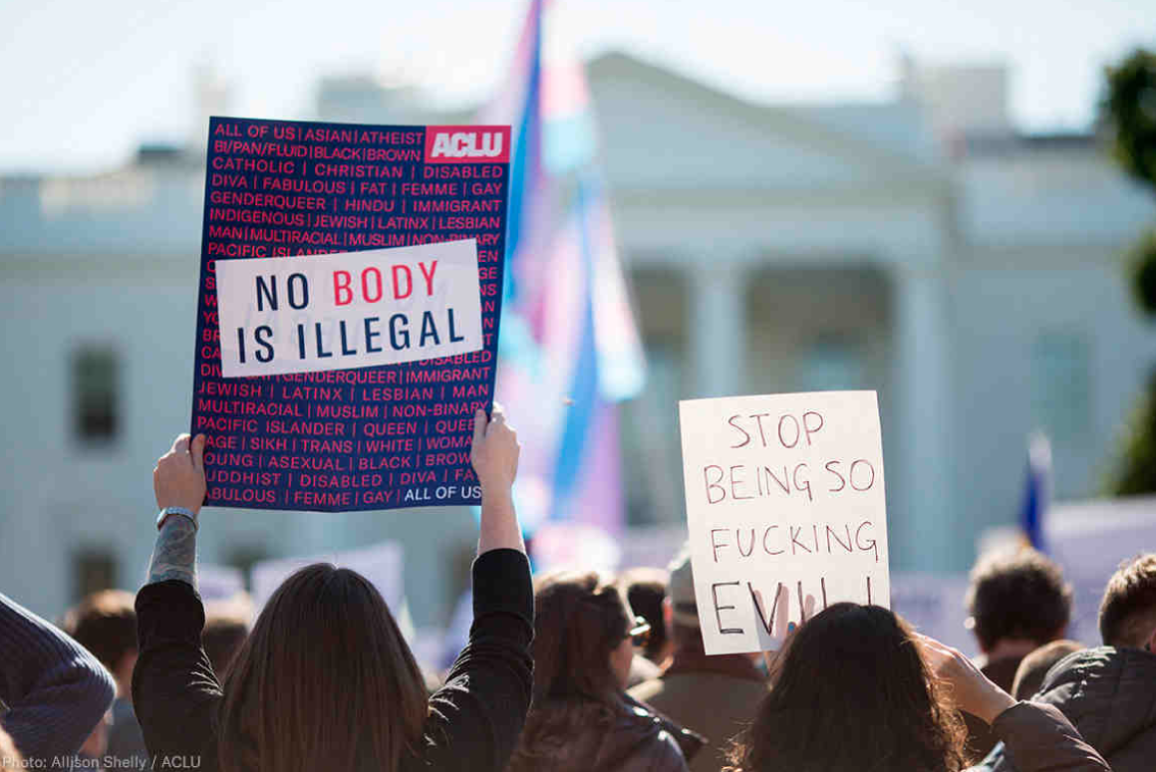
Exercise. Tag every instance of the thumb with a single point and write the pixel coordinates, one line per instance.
(198, 453)
(480, 423)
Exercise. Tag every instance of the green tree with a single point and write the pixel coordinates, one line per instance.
(1130, 111)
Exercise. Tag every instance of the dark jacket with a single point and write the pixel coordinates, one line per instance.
(1040, 739)
(1109, 694)
(589, 736)
(474, 720)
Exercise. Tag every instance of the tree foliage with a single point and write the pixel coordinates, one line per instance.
(1130, 110)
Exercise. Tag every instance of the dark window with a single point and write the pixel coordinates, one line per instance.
(96, 394)
(93, 570)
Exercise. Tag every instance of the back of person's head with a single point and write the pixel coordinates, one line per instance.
(324, 681)
(1128, 610)
(1018, 595)
(685, 631)
(105, 624)
(852, 692)
(580, 623)
(645, 592)
(226, 628)
(579, 619)
(1030, 674)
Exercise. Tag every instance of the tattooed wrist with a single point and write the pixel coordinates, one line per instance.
(175, 554)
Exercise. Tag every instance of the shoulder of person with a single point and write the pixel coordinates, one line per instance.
(1100, 670)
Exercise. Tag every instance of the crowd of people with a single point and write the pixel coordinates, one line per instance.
(571, 671)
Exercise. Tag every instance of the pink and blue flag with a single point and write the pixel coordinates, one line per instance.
(570, 350)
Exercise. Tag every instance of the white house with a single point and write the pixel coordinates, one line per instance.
(971, 275)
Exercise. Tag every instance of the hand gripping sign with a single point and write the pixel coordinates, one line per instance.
(786, 511)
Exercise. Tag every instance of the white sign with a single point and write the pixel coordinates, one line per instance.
(786, 511)
(356, 309)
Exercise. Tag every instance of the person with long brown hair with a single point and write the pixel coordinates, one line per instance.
(581, 719)
(325, 680)
(855, 690)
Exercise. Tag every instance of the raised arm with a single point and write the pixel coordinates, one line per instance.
(476, 718)
(1038, 737)
(54, 690)
(179, 484)
(175, 691)
(494, 455)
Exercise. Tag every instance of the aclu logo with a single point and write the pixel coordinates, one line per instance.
(467, 144)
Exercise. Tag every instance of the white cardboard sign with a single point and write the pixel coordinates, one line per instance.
(356, 309)
(786, 511)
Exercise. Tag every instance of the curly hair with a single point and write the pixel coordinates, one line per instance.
(1020, 594)
(853, 694)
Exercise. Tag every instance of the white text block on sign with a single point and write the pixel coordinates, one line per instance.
(355, 309)
(786, 511)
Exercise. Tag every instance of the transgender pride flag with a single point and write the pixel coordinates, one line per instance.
(569, 350)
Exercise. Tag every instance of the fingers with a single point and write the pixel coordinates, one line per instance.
(198, 453)
(498, 414)
(181, 443)
(480, 424)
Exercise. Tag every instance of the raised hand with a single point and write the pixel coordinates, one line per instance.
(179, 476)
(494, 453)
(971, 690)
(495, 458)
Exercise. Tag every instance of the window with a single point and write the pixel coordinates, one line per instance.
(93, 570)
(651, 444)
(830, 363)
(96, 394)
(1061, 386)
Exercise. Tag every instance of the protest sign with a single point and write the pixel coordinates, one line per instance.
(360, 309)
(786, 511)
(380, 225)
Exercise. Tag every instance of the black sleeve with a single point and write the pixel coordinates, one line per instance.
(175, 692)
(476, 718)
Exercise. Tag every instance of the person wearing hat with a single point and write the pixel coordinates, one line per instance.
(714, 696)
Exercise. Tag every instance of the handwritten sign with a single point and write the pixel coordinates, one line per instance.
(786, 511)
(347, 320)
(360, 309)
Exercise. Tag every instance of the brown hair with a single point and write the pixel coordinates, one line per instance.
(1128, 610)
(578, 620)
(105, 624)
(324, 681)
(852, 694)
(1032, 669)
(1019, 594)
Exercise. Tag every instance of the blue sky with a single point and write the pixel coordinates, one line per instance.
(85, 82)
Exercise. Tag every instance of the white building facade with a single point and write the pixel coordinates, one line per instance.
(975, 280)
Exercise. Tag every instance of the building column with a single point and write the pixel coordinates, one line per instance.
(717, 294)
(922, 512)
